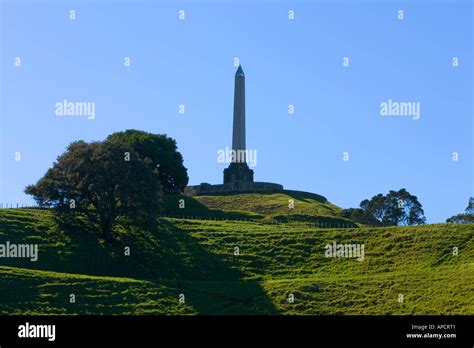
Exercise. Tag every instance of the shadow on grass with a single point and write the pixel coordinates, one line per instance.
(209, 284)
(161, 252)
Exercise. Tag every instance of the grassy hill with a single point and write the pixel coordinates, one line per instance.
(197, 258)
(308, 208)
(30, 292)
(270, 204)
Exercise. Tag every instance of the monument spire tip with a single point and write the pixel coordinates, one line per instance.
(240, 71)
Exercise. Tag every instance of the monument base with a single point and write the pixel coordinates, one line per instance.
(206, 189)
(238, 172)
(232, 188)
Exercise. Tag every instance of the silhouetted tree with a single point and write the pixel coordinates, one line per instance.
(404, 208)
(395, 208)
(103, 180)
(161, 151)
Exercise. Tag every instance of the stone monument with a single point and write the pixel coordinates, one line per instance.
(238, 177)
(238, 170)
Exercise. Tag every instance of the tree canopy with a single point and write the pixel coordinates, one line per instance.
(103, 180)
(393, 209)
(161, 152)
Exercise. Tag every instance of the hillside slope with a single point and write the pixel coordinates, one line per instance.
(288, 206)
(270, 204)
(198, 258)
(31, 292)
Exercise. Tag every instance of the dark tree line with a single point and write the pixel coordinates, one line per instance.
(123, 176)
(393, 209)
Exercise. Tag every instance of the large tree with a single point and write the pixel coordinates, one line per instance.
(395, 208)
(162, 153)
(102, 180)
(405, 208)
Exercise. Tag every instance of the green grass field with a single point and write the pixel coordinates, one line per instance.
(270, 204)
(266, 207)
(197, 258)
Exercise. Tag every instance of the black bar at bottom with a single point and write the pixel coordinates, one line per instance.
(245, 329)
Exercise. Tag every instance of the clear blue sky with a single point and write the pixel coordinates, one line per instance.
(286, 62)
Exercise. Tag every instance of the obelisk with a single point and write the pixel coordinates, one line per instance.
(238, 170)
(238, 130)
